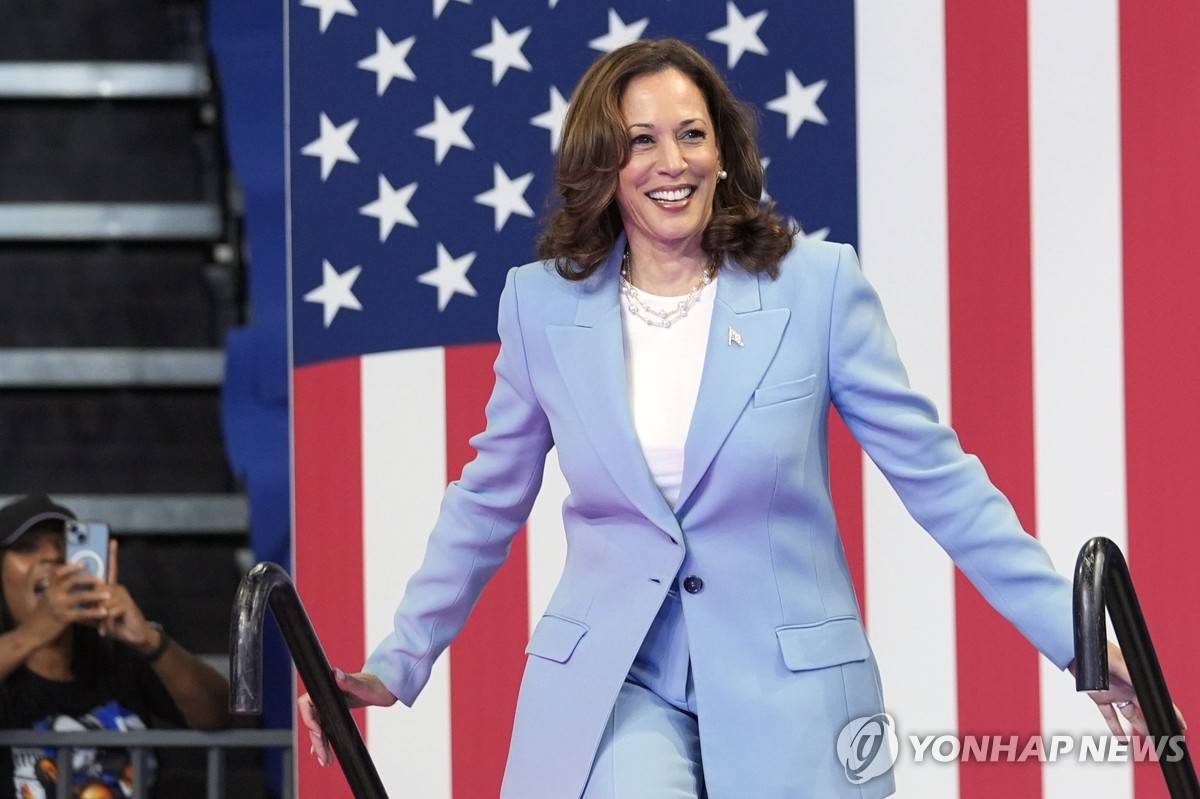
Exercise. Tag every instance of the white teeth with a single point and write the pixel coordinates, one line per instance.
(671, 195)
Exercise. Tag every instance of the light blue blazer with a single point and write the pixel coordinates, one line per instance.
(780, 660)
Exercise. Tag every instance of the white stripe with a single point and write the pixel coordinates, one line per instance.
(1077, 324)
(404, 477)
(903, 238)
(547, 544)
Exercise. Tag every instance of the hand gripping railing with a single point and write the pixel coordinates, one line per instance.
(1102, 579)
(268, 583)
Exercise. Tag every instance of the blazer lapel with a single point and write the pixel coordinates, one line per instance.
(742, 342)
(590, 356)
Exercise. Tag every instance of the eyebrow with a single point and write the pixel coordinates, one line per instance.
(683, 123)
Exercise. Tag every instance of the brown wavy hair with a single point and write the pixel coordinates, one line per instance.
(595, 146)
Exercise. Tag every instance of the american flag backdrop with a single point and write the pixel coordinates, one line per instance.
(1023, 185)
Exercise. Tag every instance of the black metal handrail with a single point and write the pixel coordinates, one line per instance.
(268, 584)
(1102, 580)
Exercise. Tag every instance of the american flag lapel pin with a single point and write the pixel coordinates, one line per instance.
(735, 338)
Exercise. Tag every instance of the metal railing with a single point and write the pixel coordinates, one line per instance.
(141, 742)
(1102, 580)
(267, 584)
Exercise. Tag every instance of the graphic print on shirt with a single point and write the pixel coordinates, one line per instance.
(98, 773)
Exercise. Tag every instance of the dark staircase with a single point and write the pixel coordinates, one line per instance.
(120, 274)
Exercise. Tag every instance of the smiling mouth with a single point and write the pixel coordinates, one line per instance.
(671, 195)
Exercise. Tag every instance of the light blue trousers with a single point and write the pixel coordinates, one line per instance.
(650, 750)
(651, 746)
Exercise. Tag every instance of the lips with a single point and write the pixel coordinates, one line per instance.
(671, 195)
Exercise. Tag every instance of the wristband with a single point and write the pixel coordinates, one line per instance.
(163, 642)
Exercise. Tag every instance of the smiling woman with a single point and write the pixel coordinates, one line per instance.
(613, 146)
(681, 351)
(665, 190)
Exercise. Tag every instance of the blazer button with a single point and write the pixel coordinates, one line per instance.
(693, 584)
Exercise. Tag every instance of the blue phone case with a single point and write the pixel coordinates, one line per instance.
(87, 543)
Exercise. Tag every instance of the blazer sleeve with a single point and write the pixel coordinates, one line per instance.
(480, 513)
(946, 490)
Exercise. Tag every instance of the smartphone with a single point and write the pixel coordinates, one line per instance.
(87, 543)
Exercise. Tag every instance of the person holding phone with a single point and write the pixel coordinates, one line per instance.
(76, 651)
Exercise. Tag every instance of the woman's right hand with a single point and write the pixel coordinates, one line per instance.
(361, 689)
(65, 595)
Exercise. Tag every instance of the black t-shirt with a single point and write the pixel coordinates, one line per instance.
(121, 691)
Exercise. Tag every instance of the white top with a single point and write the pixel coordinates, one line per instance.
(663, 365)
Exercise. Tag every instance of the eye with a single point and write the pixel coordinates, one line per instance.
(643, 140)
(694, 134)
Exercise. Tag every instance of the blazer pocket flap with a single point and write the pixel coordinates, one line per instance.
(555, 638)
(826, 643)
(782, 392)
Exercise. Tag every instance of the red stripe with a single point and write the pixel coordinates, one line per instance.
(1160, 135)
(487, 659)
(329, 520)
(991, 352)
(846, 482)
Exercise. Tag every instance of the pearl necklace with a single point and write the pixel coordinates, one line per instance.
(653, 316)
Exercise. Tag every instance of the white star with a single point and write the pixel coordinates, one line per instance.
(619, 33)
(332, 145)
(335, 291)
(330, 7)
(446, 129)
(388, 61)
(764, 197)
(450, 276)
(391, 208)
(553, 3)
(817, 235)
(440, 5)
(800, 103)
(507, 196)
(552, 120)
(504, 51)
(740, 34)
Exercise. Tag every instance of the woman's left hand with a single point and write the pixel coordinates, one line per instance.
(124, 622)
(1120, 700)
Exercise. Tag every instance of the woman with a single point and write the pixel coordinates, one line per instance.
(681, 352)
(76, 652)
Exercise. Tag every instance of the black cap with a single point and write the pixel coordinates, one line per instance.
(19, 515)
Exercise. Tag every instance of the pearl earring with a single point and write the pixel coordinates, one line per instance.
(722, 175)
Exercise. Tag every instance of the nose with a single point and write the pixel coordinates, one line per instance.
(671, 160)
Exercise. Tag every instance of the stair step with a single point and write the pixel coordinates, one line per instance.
(110, 367)
(59, 80)
(55, 221)
(140, 514)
